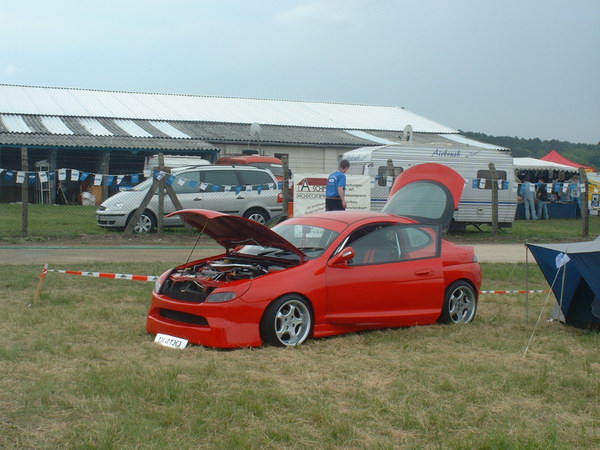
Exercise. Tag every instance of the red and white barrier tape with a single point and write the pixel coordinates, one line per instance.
(128, 276)
(114, 276)
(539, 291)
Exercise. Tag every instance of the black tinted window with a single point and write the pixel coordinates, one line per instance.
(487, 176)
(254, 177)
(378, 247)
(424, 199)
(220, 177)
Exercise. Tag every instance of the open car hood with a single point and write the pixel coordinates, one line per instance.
(428, 193)
(232, 231)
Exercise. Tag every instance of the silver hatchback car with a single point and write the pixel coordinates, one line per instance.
(240, 190)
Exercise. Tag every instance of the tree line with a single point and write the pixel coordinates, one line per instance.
(586, 154)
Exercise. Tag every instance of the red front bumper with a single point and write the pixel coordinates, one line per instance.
(222, 325)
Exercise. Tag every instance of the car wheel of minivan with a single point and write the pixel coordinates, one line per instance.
(145, 224)
(258, 215)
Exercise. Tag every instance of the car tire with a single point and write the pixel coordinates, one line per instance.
(145, 224)
(287, 322)
(460, 303)
(258, 215)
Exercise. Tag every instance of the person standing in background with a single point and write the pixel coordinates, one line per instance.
(528, 193)
(541, 200)
(335, 195)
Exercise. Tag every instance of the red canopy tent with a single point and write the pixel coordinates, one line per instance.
(556, 157)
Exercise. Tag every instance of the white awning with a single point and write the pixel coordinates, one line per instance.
(538, 164)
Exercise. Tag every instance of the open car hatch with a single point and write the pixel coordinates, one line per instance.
(428, 193)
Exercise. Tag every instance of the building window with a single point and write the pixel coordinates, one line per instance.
(383, 172)
(487, 175)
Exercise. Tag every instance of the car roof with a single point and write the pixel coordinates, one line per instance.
(250, 159)
(350, 217)
(203, 168)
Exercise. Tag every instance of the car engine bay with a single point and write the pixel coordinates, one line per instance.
(195, 282)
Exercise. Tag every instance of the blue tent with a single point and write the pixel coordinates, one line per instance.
(573, 272)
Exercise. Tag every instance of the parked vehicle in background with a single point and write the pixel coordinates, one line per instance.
(468, 157)
(263, 162)
(242, 190)
(174, 161)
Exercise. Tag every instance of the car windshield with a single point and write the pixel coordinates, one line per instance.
(144, 185)
(311, 240)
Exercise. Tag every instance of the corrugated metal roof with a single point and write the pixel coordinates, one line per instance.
(103, 142)
(168, 129)
(171, 107)
(14, 123)
(27, 125)
(370, 137)
(132, 128)
(94, 127)
(55, 125)
(465, 140)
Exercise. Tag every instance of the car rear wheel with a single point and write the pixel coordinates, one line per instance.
(258, 215)
(287, 322)
(460, 303)
(145, 224)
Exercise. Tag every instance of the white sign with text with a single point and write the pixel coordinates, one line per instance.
(309, 193)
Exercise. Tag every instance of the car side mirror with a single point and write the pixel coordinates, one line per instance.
(343, 257)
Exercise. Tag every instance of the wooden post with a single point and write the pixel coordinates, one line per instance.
(38, 291)
(160, 220)
(494, 200)
(286, 184)
(585, 214)
(104, 170)
(24, 193)
(54, 181)
(138, 213)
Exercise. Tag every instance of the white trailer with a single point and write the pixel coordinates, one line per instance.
(468, 157)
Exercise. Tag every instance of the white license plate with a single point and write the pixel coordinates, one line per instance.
(170, 341)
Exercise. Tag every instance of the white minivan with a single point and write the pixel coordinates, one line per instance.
(241, 190)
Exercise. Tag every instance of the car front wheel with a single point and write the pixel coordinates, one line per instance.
(257, 214)
(145, 224)
(287, 322)
(460, 303)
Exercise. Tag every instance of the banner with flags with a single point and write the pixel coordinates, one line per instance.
(98, 179)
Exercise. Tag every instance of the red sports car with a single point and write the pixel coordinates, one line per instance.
(325, 273)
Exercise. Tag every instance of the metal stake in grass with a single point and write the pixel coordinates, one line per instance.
(38, 291)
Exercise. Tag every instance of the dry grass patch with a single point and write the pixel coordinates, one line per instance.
(78, 370)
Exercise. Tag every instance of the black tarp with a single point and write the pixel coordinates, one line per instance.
(576, 284)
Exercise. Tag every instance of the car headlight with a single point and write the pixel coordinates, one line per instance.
(220, 297)
(115, 207)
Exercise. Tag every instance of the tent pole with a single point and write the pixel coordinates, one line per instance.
(562, 290)
(526, 284)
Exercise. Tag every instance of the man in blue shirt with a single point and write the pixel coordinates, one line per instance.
(527, 191)
(335, 198)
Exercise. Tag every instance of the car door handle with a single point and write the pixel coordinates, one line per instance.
(423, 273)
(240, 197)
(198, 199)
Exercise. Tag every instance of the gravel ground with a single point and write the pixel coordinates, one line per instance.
(68, 256)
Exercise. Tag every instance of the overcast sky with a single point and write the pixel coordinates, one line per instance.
(526, 68)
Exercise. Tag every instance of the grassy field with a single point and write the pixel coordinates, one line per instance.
(50, 221)
(77, 222)
(522, 231)
(78, 370)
